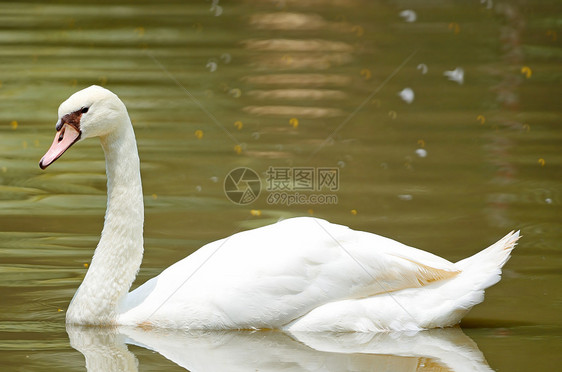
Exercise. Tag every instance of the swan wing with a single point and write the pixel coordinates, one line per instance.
(268, 277)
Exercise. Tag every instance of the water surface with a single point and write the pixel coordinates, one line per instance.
(213, 86)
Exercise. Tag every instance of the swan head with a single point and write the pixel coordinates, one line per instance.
(90, 112)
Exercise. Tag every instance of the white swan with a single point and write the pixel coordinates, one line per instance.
(301, 274)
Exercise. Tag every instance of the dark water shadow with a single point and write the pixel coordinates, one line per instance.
(478, 323)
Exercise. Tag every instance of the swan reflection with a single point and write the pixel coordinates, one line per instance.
(105, 349)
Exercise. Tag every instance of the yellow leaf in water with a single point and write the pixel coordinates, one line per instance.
(366, 73)
(358, 30)
(287, 59)
(294, 122)
(455, 27)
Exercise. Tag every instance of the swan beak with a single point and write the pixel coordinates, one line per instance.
(65, 137)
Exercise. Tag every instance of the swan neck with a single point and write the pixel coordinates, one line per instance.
(118, 255)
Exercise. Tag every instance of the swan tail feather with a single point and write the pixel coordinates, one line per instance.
(490, 260)
(479, 272)
(457, 296)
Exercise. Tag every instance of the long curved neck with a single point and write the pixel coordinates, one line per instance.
(118, 255)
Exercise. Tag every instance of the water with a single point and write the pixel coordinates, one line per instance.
(273, 85)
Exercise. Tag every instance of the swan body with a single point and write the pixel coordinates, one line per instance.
(300, 274)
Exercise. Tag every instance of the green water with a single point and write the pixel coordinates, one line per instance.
(286, 84)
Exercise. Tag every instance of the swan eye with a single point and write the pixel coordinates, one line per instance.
(84, 110)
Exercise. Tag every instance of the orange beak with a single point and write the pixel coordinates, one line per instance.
(65, 137)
